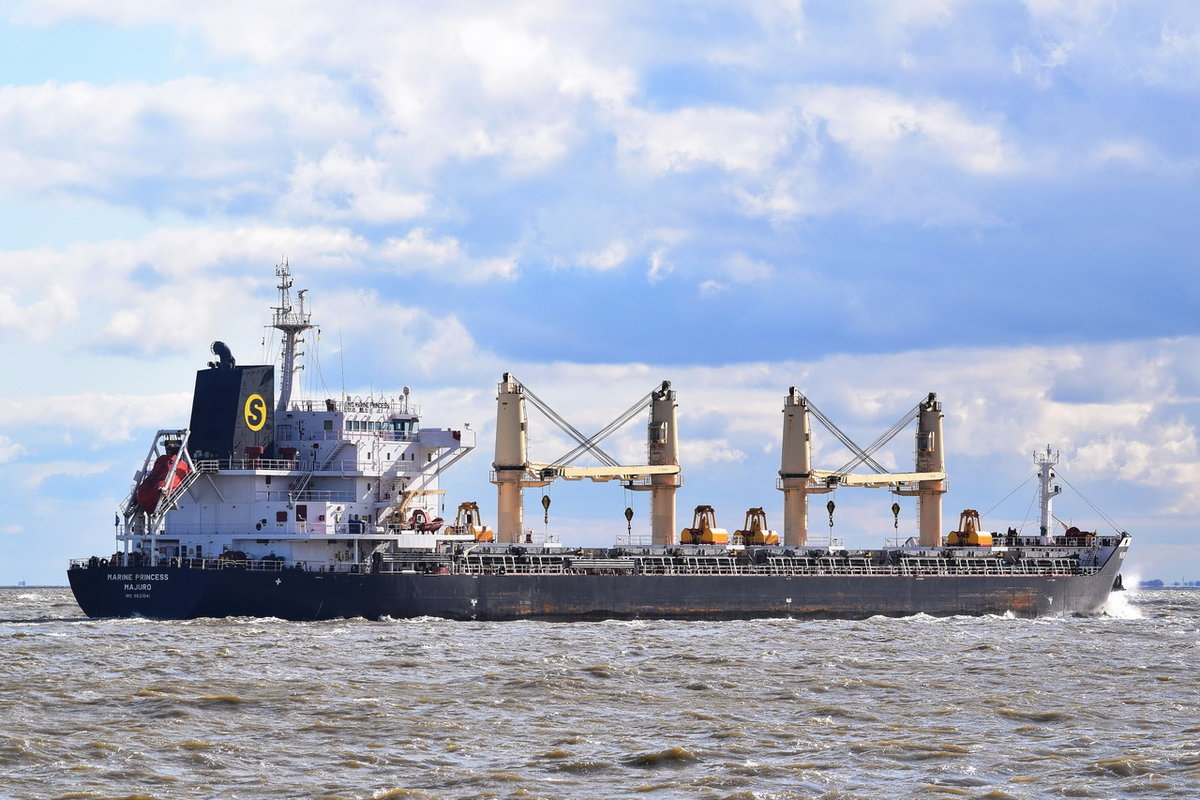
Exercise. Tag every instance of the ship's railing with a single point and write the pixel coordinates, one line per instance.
(265, 564)
(358, 405)
(1000, 540)
(295, 465)
(367, 466)
(381, 434)
(544, 565)
(307, 496)
(217, 464)
(332, 436)
(512, 564)
(311, 527)
(399, 407)
(900, 541)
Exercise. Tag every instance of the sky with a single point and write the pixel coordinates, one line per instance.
(869, 201)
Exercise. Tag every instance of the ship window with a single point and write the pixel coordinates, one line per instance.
(328, 424)
(281, 516)
(301, 513)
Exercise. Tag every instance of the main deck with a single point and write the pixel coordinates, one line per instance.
(1016, 559)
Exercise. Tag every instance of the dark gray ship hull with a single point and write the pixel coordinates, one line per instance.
(185, 593)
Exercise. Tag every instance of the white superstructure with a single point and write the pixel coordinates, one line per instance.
(344, 478)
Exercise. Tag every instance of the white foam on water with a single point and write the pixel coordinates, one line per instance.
(1120, 605)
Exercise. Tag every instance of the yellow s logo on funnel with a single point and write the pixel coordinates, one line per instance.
(255, 412)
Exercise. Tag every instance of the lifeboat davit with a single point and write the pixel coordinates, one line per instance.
(159, 483)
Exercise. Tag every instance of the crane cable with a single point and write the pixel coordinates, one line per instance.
(1103, 516)
(606, 431)
(586, 443)
(844, 439)
(886, 437)
(864, 456)
(1010, 494)
(565, 426)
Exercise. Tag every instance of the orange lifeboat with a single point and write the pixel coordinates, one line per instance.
(421, 522)
(161, 481)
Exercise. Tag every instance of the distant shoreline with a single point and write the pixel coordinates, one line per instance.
(37, 586)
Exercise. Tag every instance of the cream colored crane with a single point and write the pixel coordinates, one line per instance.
(797, 478)
(513, 471)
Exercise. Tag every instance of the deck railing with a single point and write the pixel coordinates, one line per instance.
(554, 565)
(304, 465)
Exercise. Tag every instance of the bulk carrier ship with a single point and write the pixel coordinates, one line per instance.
(306, 510)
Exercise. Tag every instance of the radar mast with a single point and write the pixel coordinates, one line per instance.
(292, 322)
(1046, 462)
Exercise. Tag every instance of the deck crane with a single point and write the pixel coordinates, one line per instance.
(513, 471)
(797, 478)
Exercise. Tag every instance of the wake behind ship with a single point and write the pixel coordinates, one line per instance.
(304, 510)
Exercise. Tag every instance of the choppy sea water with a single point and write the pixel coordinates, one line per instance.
(918, 707)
